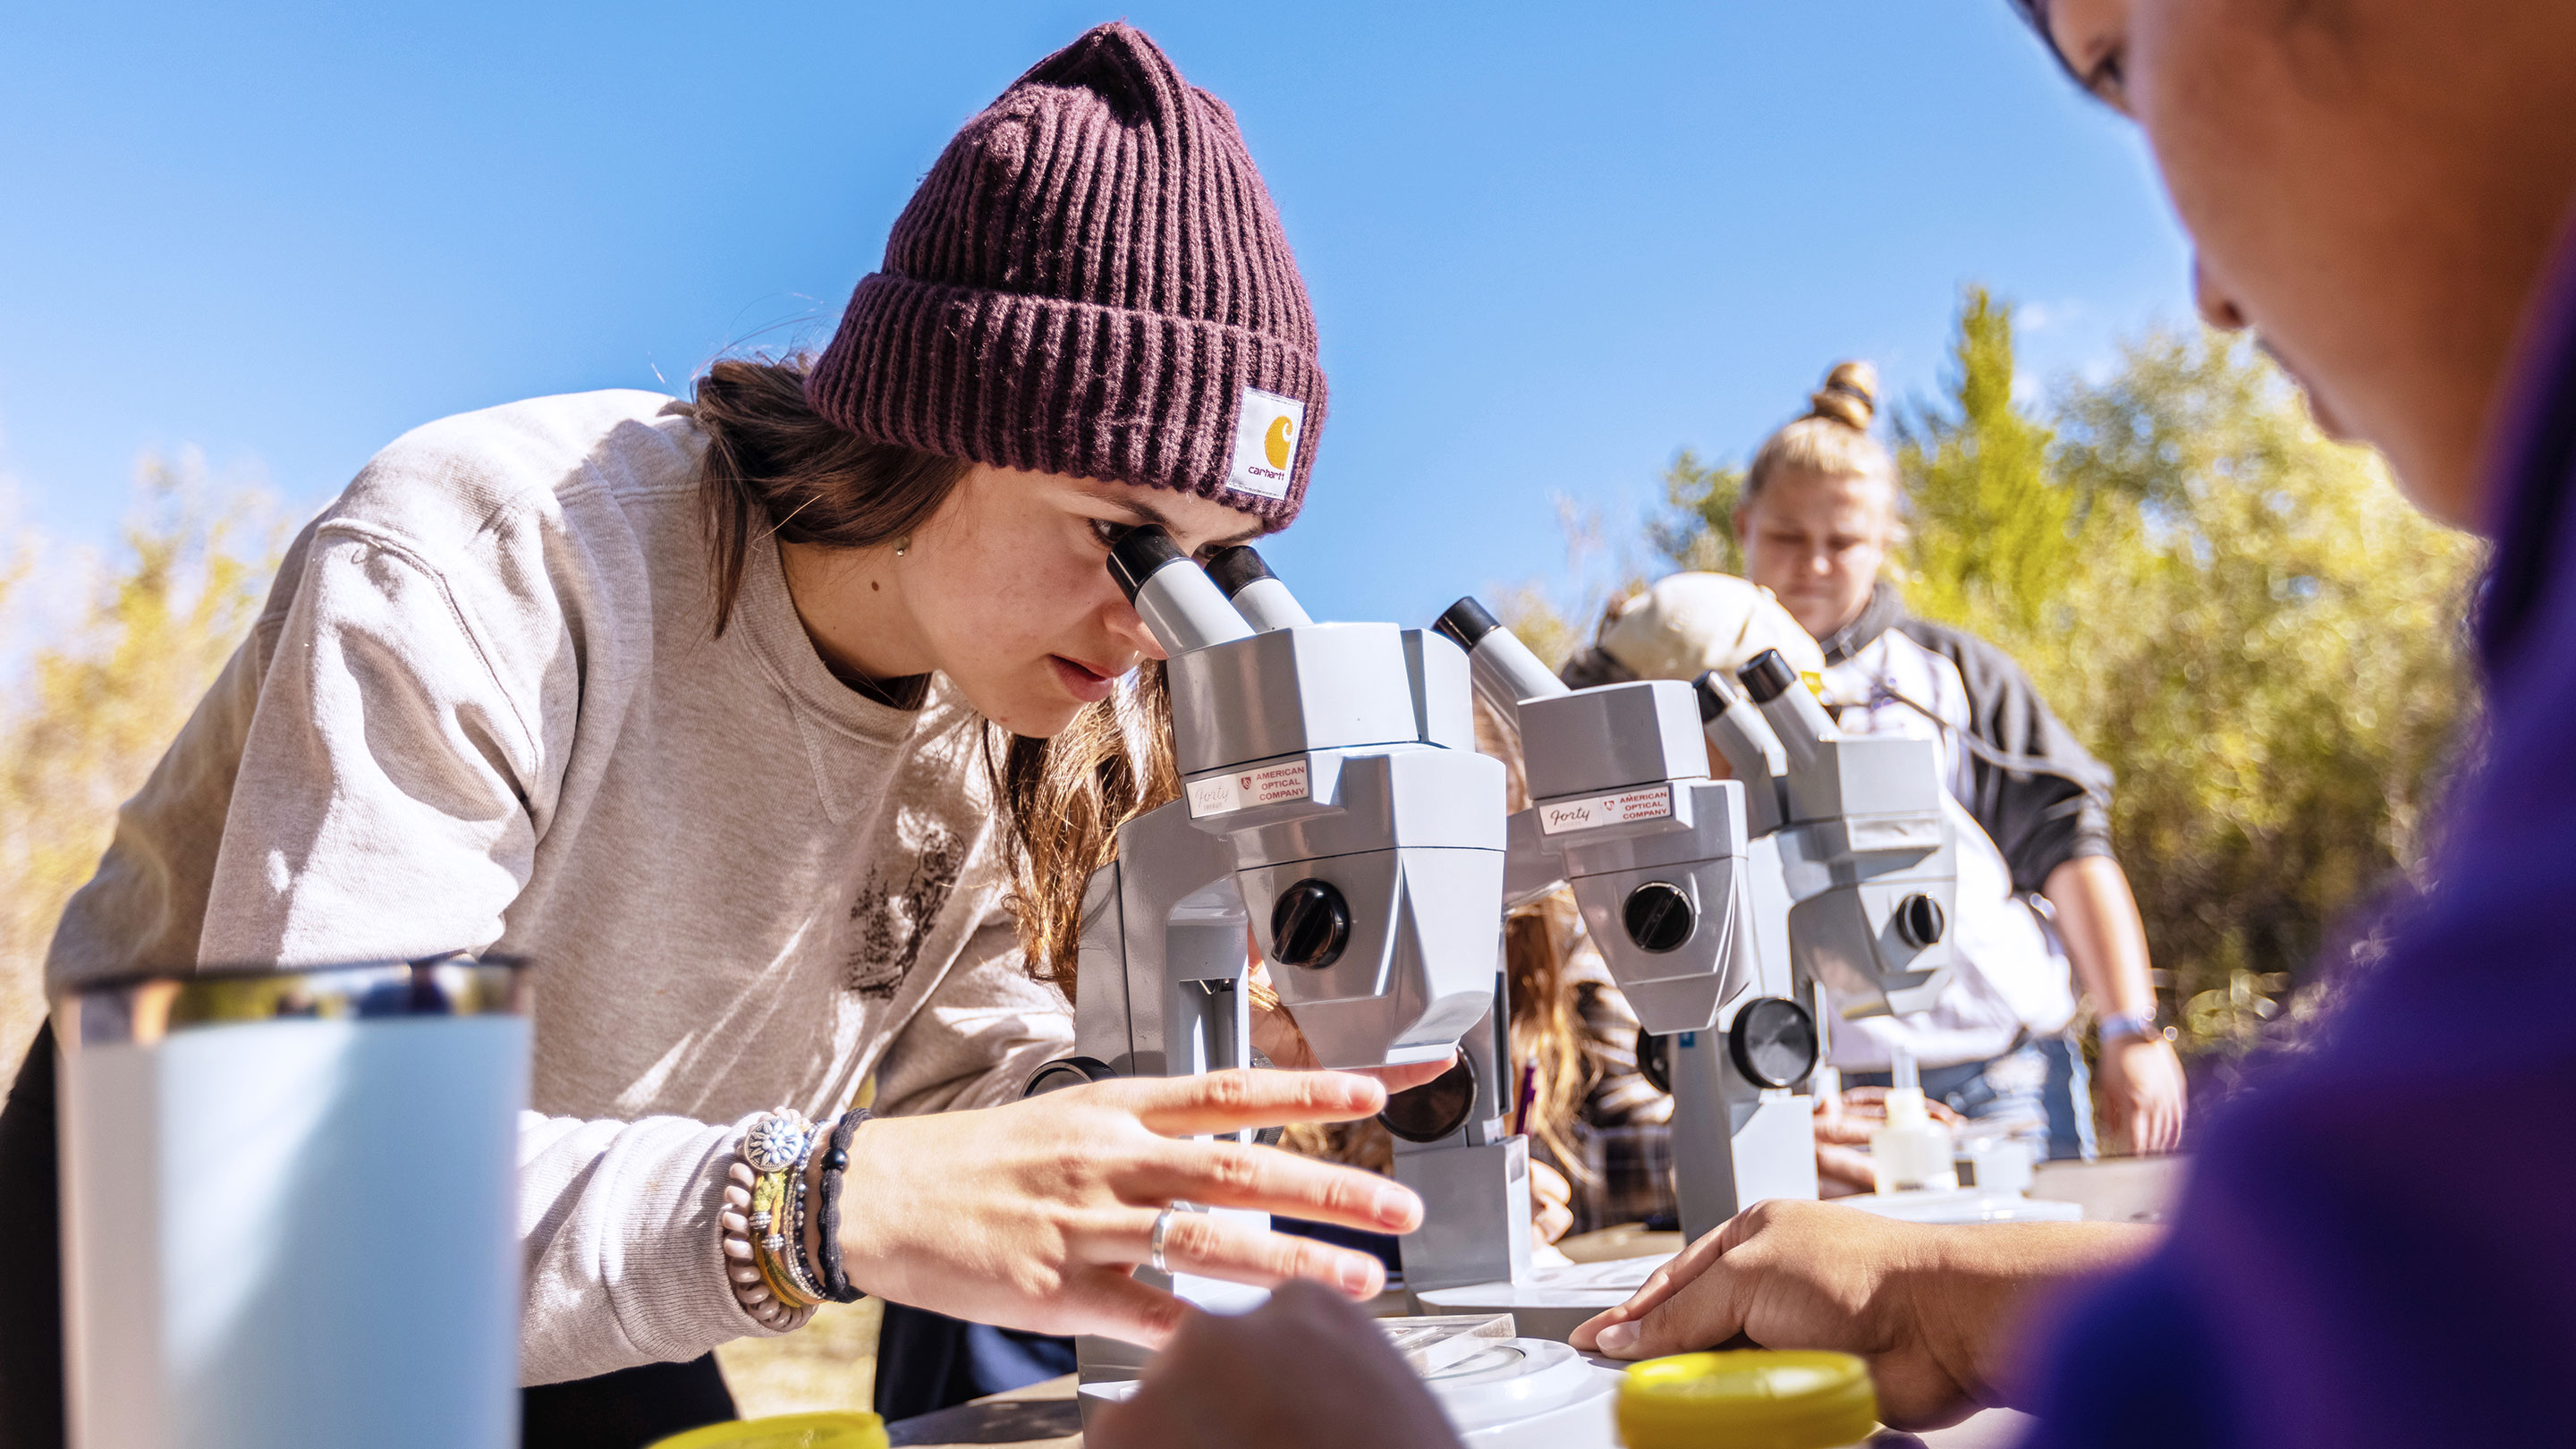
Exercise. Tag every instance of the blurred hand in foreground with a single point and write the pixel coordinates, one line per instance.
(1305, 1371)
(1934, 1310)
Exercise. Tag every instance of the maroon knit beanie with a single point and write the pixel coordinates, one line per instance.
(1091, 282)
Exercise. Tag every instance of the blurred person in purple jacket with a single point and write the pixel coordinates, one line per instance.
(2369, 1252)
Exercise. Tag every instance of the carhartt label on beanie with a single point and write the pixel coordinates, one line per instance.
(1267, 433)
(1092, 281)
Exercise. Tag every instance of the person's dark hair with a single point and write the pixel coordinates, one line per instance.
(2034, 13)
(774, 466)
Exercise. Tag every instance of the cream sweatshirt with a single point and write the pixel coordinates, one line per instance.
(485, 709)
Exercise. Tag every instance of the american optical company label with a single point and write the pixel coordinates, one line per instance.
(1655, 802)
(1268, 785)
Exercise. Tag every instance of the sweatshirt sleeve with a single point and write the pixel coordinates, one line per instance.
(384, 803)
(390, 794)
(985, 1028)
(619, 1244)
(2038, 793)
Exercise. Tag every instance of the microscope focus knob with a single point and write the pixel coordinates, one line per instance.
(1068, 1072)
(1919, 921)
(1773, 1042)
(1658, 916)
(1435, 1109)
(1655, 1061)
(1309, 925)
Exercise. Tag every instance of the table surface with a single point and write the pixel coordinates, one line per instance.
(1044, 1416)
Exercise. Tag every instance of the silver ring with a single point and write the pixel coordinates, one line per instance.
(1162, 1227)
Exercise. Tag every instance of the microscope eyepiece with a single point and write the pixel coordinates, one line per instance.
(1238, 567)
(1138, 553)
(1716, 696)
(1466, 623)
(1767, 677)
(1256, 592)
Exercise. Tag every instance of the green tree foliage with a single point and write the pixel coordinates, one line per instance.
(2245, 620)
(91, 710)
(1991, 533)
(1700, 534)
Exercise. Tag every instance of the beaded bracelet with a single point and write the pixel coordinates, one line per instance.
(836, 1162)
(754, 1191)
(787, 1247)
(768, 1222)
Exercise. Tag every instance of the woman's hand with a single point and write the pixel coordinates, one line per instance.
(1035, 1215)
(1932, 1309)
(1302, 1370)
(1551, 1203)
(2142, 1092)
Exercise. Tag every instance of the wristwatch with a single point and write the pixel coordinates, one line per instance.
(2121, 1025)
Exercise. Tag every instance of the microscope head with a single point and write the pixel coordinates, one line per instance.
(1621, 804)
(1866, 849)
(1338, 762)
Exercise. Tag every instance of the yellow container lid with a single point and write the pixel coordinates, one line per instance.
(786, 1431)
(1749, 1399)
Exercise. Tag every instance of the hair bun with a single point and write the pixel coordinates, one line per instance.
(1849, 396)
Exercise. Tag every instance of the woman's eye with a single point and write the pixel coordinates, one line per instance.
(2107, 79)
(1109, 532)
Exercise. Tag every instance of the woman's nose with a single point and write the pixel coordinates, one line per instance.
(2216, 308)
(1128, 628)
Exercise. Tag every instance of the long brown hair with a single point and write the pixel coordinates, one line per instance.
(1538, 937)
(776, 468)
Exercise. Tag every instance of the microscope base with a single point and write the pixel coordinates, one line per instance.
(1552, 1301)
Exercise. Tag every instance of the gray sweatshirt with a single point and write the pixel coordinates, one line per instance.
(484, 708)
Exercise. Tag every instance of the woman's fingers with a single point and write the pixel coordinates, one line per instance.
(1216, 1246)
(1843, 1165)
(1412, 1074)
(1111, 1303)
(1231, 1100)
(1233, 1174)
(1661, 1284)
(1706, 1312)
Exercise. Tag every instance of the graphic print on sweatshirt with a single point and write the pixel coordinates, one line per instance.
(888, 923)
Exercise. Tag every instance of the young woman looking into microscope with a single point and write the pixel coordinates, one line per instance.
(2367, 1253)
(781, 728)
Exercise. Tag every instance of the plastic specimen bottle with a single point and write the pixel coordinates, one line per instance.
(1912, 1152)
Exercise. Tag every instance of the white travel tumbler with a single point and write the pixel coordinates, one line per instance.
(289, 1204)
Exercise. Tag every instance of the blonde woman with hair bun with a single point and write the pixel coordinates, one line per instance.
(1819, 514)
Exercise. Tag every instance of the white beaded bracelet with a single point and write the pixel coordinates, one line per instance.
(773, 1144)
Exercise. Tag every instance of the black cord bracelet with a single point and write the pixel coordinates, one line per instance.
(836, 1162)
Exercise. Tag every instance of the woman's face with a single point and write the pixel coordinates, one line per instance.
(1817, 541)
(2372, 186)
(1007, 588)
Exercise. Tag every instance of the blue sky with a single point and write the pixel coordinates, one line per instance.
(1548, 245)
